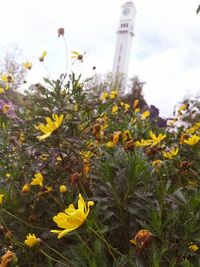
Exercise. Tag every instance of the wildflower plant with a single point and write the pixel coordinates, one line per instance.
(88, 180)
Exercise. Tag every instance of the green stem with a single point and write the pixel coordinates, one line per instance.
(45, 67)
(19, 219)
(51, 258)
(57, 201)
(55, 251)
(85, 244)
(65, 43)
(110, 248)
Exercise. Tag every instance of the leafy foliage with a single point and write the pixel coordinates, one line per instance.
(112, 154)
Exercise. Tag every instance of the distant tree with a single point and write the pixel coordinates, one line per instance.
(104, 82)
(136, 92)
(198, 10)
(10, 64)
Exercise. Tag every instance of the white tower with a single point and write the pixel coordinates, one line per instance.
(125, 35)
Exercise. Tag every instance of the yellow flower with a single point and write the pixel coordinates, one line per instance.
(86, 155)
(143, 142)
(48, 189)
(183, 107)
(86, 167)
(1, 91)
(27, 65)
(41, 59)
(59, 158)
(44, 157)
(50, 126)
(31, 240)
(113, 94)
(136, 104)
(157, 163)
(156, 139)
(38, 179)
(126, 107)
(115, 140)
(21, 138)
(171, 122)
(5, 108)
(193, 248)
(193, 140)
(75, 108)
(183, 138)
(145, 115)
(8, 175)
(72, 218)
(7, 78)
(1, 198)
(63, 188)
(78, 56)
(26, 188)
(197, 125)
(171, 154)
(126, 135)
(114, 109)
(137, 110)
(104, 96)
(192, 183)
(191, 130)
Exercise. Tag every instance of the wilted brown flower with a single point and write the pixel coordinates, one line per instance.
(8, 235)
(75, 177)
(96, 129)
(61, 32)
(141, 239)
(130, 145)
(10, 78)
(6, 258)
(185, 165)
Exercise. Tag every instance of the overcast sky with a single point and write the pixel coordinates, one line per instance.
(165, 51)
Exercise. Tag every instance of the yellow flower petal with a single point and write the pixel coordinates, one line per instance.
(72, 218)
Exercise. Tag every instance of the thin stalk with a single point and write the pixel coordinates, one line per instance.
(51, 258)
(47, 70)
(55, 251)
(110, 248)
(24, 222)
(65, 43)
(56, 200)
(85, 244)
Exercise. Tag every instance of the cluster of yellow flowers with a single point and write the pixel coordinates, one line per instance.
(105, 95)
(191, 135)
(5, 81)
(37, 180)
(151, 142)
(171, 154)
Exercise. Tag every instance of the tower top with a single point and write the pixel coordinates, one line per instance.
(128, 12)
(129, 3)
(125, 33)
